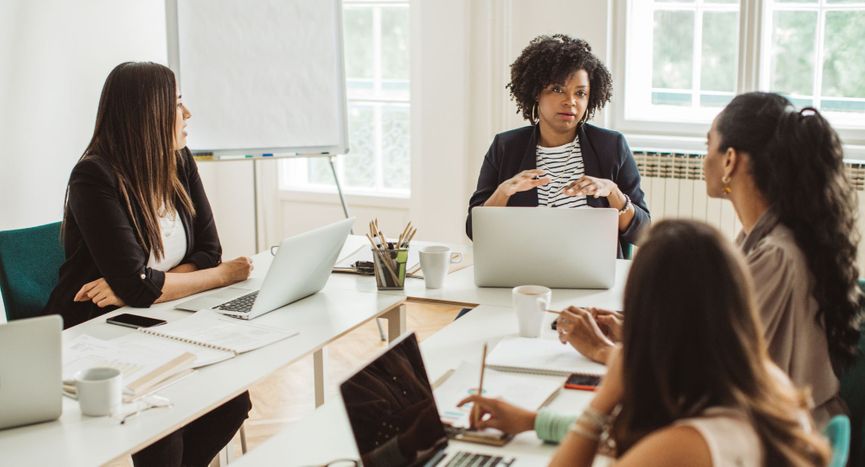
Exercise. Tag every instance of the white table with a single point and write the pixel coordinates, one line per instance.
(77, 440)
(326, 435)
(460, 288)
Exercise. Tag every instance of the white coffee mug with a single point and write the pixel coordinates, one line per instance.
(530, 302)
(100, 391)
(435, 262)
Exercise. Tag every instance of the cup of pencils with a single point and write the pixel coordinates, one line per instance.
(389, 258)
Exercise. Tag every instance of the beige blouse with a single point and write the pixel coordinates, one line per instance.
(731, 439)
(783, 283)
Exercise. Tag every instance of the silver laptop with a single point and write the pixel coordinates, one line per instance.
(301, 268)
(553, 247)
(30, 371)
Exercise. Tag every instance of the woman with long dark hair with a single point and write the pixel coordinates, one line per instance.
(560, 160)
(693, 383)
(783, 171)
(138, 229)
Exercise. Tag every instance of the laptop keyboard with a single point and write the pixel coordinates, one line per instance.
(468, 459)
(240, 304)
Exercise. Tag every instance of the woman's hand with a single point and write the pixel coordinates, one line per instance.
(235, 270)
(524, 181)
(590, 186)
(98, 292)
(612, 388)
(578, 327)
(610, 322)
(498, 414)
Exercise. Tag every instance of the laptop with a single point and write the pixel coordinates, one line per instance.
(300, 268)
(393, 414)
(556, 248)
(30, 371)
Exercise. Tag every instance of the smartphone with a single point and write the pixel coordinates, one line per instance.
(134, 321)
(582, 382)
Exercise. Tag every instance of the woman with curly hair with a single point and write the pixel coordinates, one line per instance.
(783, 170)
(560, 160)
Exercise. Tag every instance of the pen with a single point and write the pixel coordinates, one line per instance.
(555, 312)
(476, 407)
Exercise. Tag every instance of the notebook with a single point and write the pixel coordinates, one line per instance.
(541, 356)
(527, 391)
(144, 368)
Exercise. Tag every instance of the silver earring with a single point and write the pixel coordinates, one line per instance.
(535, 116)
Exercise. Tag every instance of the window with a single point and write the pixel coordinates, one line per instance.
(684, 64)
(376, 40)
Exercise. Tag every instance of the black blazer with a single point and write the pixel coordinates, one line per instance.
(605, 155)
(100, 241)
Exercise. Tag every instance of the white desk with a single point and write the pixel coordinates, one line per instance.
(460, 288)
(76, 440)
(326, 435)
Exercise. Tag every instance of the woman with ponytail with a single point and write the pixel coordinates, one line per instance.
(783, 171)
(692, 384)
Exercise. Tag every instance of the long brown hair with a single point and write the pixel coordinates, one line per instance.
(135, 134)
(692, 341)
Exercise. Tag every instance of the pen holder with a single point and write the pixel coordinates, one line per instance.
(389, 268)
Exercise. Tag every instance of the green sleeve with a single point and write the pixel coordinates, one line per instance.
(552, 427)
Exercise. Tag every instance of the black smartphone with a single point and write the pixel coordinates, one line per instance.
(582, 382)
(134, 321)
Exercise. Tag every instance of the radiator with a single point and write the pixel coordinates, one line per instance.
(675, 188)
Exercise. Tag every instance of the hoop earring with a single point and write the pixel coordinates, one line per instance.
(535, 116)
(726, 181)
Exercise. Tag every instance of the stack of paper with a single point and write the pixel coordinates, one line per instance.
(541, 356)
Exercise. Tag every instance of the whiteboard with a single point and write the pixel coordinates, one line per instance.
(260, 75)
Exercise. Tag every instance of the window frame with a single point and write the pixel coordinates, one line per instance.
(293, 179)
(753, 64)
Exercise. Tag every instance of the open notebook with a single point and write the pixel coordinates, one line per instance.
(541, 356)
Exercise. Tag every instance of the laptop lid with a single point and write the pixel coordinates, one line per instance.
(301, 266)
(30, 371)
(557, 248)
(391, 408)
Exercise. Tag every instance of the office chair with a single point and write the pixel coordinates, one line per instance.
(837, 431)
(29, 261)
(853, 394)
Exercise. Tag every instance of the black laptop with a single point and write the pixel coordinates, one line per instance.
(393, 414)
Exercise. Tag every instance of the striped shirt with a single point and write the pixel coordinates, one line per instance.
(563, 164)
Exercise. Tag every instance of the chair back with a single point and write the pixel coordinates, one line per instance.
(853, 394)
(837, 431)
(29, 263)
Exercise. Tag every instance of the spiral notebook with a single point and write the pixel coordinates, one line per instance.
(212, 330)
(541, 356)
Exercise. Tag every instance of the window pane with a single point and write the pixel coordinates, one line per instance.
(359, 163)
(671, 98)
(318, 171)
(394, 43)
(844, 55)
(793, 39)
(395, 146)
(720, 43)
(842, 105)
(672, 57)
(715, 100)
(722, 1)
(357, 36)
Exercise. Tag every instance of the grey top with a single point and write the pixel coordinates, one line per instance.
(788, 310)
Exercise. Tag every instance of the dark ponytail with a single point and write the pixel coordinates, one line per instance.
(796, 160)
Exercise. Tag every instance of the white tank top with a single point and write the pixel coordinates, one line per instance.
(173, 243)
(732, 440)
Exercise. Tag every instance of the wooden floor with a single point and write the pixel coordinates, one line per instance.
(287, 395)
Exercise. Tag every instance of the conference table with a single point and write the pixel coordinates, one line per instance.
(326, 435)
(347, 302)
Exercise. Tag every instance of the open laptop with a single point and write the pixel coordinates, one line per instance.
(557, 248)
(393, 414)
(301, 268)
(30, 371)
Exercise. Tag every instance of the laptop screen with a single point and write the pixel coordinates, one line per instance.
(391, 408)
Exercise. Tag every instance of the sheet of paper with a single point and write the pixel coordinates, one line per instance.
(210, 327)
(522, 390)
(540, 355)
(132, 359)
(203, 355)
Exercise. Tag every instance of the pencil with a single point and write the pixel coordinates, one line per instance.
(476, 407)
(555, 312)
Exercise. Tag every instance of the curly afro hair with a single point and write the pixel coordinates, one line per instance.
(552, 59)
